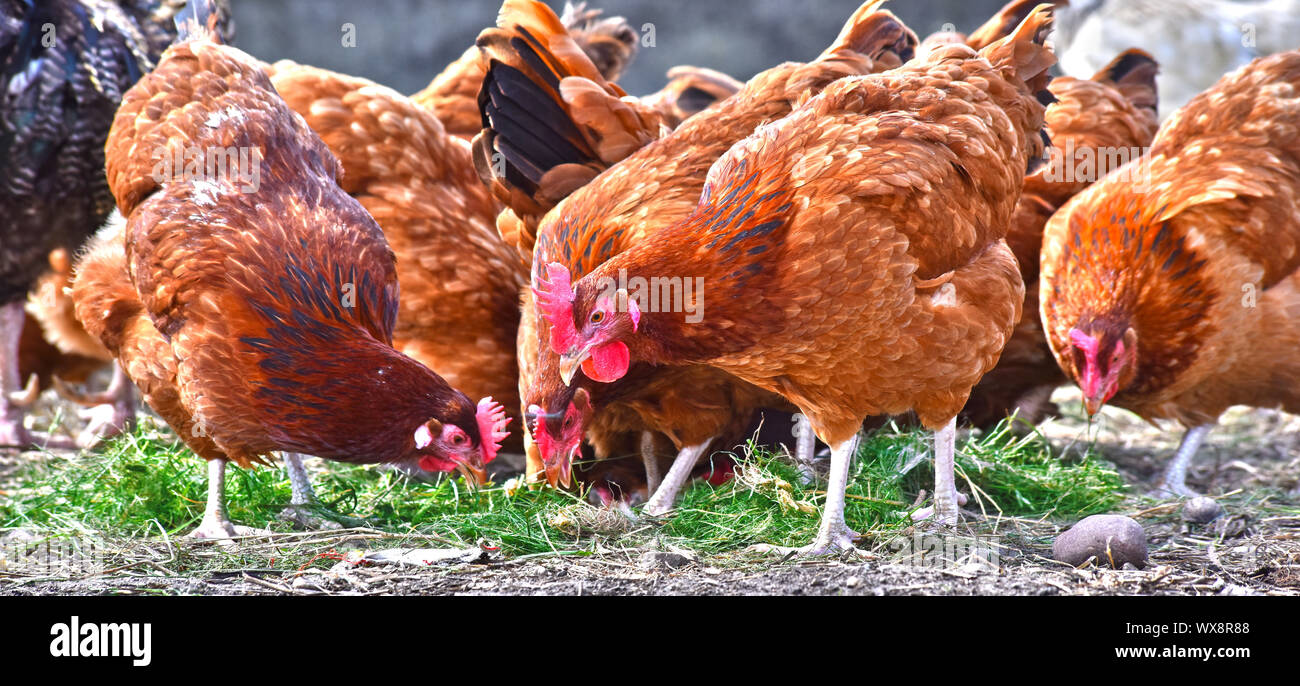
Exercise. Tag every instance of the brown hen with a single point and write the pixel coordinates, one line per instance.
(853, 254)
(661, 182)
(246, 294)
(1171, 287)
(459, 306)
(1095, 125)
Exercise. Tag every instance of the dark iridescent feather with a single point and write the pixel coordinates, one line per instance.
(64, 65)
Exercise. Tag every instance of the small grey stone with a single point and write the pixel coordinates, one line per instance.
(852, 581)
(662, 559)
(1112, 539)
(1201, 510)
(20, 536)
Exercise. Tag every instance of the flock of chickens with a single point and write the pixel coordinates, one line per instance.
(877, 232)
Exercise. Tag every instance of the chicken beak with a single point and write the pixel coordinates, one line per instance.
(1092, 405)
(474, 474)
(569, 365)
(561, 473)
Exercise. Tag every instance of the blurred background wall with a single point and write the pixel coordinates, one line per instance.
(405, 43)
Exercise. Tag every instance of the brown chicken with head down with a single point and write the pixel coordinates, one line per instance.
(1095, 125)
(248, 296)
(662, 181)
(1171, 287)
(609, 43)
(853, 254)
(459, 307)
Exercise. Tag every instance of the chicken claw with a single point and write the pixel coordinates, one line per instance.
(216, 525)
(304, 508)
(834, 536)
(834, 542)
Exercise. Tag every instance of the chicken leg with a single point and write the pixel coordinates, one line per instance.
(216, 525)
(834, 534)
(1175, 478)
(304, 509)
(653, 477)
(664, 497)
(14, 397)
(946, 497)
(805, 447)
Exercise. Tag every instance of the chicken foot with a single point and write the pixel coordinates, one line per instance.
(1175, 478)
(14, 397)
(834, 535)
(107, 414)
(216, 524)
(664, 496)
(946, 498)
(304, 508)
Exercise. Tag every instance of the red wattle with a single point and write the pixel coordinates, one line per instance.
(608, 362)
(430, 463)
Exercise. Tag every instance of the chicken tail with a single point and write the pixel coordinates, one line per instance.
(1025, 59)
(1005, 21)
(551, 122)
(1133, 73)
(201, 20)
(876, 33)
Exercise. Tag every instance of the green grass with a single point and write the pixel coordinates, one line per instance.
(145, 483)
(1013, 474)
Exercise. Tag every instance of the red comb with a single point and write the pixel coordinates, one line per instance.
(554, 296)
(1084, 342)
(492, 422)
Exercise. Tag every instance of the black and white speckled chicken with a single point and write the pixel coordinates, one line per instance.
(64, 65)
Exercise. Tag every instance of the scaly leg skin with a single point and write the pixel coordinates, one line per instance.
(805, 446)
(653, 477)
(216, 525)
(304, 509)
(12, 400)
(112, 412)
(946, 497)
(834, 535)
(662, 501)
(1175, 479)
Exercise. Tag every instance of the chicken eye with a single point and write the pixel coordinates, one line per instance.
(458, 439)
(597, 317)
(568, 422)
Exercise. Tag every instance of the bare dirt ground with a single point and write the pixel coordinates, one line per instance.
(1250, 464)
